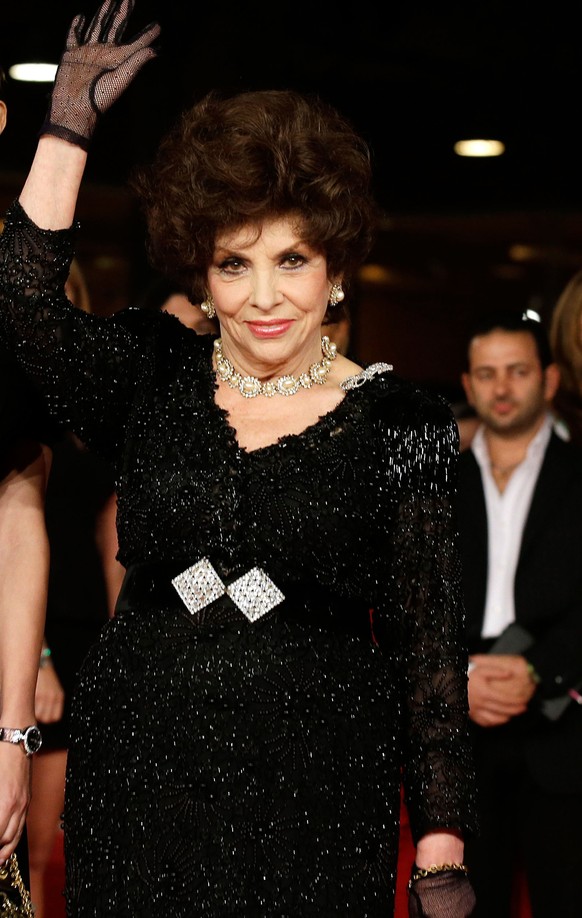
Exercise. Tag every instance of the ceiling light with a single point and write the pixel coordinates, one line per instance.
(33, 73)
(479, 147)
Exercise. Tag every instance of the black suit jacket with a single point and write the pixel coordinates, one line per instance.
(548, 601)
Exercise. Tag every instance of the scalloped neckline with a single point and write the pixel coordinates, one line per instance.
(322, 423)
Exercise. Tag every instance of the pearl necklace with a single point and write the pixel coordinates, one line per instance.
(250, 386)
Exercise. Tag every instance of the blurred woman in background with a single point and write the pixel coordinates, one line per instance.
(566, 343)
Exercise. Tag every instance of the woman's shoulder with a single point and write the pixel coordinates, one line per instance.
(396, 400)
(161, 328)
(168, 348)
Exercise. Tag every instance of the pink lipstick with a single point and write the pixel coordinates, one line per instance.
(273, 329)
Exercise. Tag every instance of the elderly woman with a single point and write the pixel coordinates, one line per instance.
(288, 642)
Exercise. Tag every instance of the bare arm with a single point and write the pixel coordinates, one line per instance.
(50, 192)
(24, 559)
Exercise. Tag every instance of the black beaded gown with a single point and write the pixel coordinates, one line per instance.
(225, 767)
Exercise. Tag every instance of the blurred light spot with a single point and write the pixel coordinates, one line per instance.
(533, 315)
(479, 147)
(33, 73)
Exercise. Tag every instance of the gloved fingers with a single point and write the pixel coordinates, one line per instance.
(95, 70)
(145, 37)
(109, 24)
(118, 20)
(111, 84)
(75, 35)
(105, 19)
(94, 29)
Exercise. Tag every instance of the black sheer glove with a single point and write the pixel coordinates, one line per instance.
(95, 70)
(447, 894)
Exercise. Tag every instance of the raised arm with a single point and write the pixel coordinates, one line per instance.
(86, 367)
(95, 69)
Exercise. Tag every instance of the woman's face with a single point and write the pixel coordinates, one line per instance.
(271, 291)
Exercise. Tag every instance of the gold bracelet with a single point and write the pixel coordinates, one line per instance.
(421, 872)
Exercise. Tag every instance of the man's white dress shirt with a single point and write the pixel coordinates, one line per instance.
(506, 516)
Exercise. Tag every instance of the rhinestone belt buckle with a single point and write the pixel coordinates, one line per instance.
(254, 593)
(198, 586)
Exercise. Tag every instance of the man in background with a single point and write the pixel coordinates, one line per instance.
(520, 520)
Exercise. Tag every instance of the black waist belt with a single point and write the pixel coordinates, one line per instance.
(150, 585)
(196, 590)
(209, 601)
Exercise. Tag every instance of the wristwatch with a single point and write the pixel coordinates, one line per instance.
(30, 738)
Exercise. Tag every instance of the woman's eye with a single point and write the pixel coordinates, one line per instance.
(231, 265)
(293, 260)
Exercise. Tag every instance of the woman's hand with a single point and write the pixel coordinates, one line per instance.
(444, 893)
(15, 796)
(441, 895)
(49, 699)
(95, 70)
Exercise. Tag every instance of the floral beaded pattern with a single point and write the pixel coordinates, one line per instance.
(264, 758)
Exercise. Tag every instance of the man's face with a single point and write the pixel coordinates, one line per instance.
(506, 384)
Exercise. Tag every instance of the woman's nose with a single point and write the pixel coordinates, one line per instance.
(264, 292)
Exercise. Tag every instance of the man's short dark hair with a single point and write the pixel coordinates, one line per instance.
(2, 83)
(513, 321)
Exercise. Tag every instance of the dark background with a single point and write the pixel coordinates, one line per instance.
(458, 235)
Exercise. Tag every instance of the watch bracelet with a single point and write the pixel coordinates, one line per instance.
(21, 737)
(420, 873)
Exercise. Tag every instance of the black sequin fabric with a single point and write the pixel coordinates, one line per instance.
(252, 769)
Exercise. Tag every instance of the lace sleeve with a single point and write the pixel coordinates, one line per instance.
(86, 366)
(437, 767)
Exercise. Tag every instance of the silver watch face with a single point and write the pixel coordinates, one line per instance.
(32, 740)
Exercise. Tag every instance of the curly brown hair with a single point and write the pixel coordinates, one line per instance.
(231, 160)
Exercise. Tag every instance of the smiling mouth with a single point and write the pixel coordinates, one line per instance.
(268, 322)
(270, 329)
